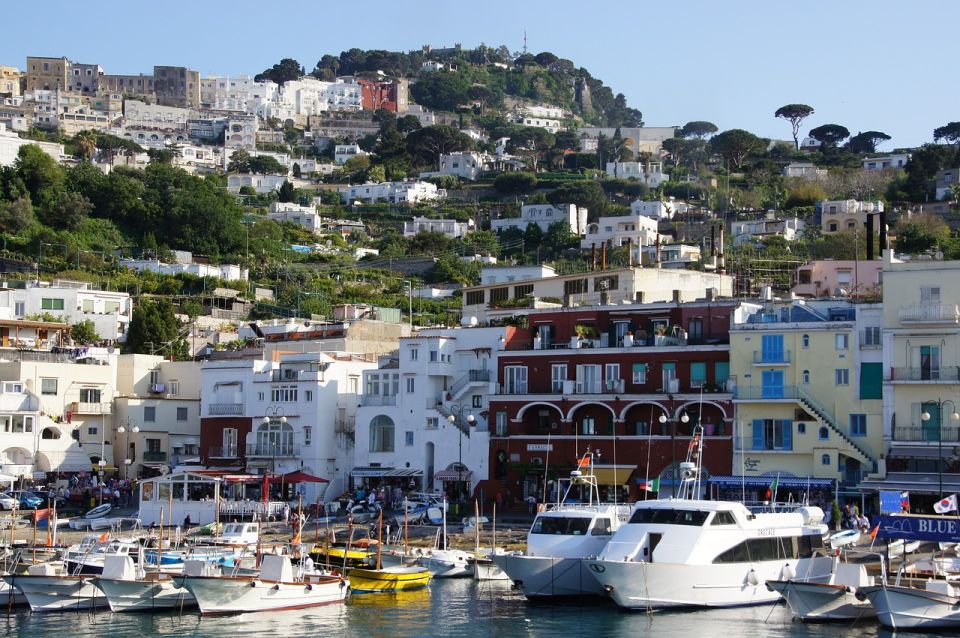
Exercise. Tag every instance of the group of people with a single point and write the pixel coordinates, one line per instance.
(851, 518)
(90, 491)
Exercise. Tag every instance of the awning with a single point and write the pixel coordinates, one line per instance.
(297, 477)
(613, 474)
(403, 473)
(919, 482)
(453, 475)
(69, 460)
(767, 481)
(920, 452)
(370, 472)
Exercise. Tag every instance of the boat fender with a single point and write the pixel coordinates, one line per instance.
(752, 578)
(253, 583)
(276, 587)
(309, 587)
(788, 572)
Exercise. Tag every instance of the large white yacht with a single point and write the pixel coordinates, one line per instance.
(686, 552)
(562, 536)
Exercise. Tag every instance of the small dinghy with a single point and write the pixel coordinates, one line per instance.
(99, 511)
(844, 538)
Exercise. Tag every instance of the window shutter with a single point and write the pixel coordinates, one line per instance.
(787, 427)
(758, 434)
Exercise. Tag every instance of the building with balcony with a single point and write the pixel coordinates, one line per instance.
(755, 230)
(448, 227)
(838, 278)
(70, 302)
(636, 230)
(807, 379)
(407, 192)
(544, 216)
(296, 412)
(404, 432)
(649, 173)
(601, 378)
(847, 215)
(921, 350)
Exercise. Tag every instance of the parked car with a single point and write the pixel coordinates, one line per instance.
(28, 499)
(50, 497)
(8, 502)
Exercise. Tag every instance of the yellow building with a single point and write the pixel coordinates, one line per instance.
(47, 74)
(808, 383)
(10, 77)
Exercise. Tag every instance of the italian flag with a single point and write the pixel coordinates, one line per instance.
(651, 486)
(772, 490)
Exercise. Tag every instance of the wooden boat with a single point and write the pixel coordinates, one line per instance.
(844, 538)
(130, 589)
(831, 599)
(47, 588)
(384, 579)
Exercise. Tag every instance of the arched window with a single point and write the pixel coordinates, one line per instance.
(275, 436)
(824, 434)
(381, 434)
(806, 377)
(825, 459)
(806, 341)
(833, 227)
(50, 433)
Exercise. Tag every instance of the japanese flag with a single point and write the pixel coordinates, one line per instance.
(945, 505)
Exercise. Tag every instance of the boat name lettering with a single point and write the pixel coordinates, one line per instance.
(766, 531)
(540, 447)
(937, 526)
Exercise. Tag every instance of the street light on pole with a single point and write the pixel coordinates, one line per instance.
(125, 426)
(456, 418)
(673, 446)
(273, 416)
(926, 416)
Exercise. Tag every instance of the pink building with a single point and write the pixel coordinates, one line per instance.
(834, 278)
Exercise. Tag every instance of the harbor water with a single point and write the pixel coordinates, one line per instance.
(455, 608)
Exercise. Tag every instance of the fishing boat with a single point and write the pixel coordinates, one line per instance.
(90, 559)
(128, 587)
(47, 588)
(481, 565)
(833, 599)
(844, 538)
(442, 561)
(388, 579)
(900, 607)
(276, 588)
(688, 552)
(576, 527)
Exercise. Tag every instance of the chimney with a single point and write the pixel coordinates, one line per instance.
(869, 236)
(593, 256)
(883, 231)
(630, 252)
(722, 264)
(657, 253)
(713, 240)
(603, 256)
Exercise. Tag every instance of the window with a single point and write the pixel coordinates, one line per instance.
(308, 395)
(307, 434)
(174, 388)
(695, 331)
(414, 354)
(381, 434)
(842, 341)
(515, 379)
(558, 374)
(48, 386)
(411, 385)
(474, 298)
(19, 308)
(519, 292)
(434, 356)
(639, 373)
(871, 336)
(772, 434)
(825, 459)
(801, 428)
(698, 374)
(91, 431)
(229, 442)
(86, 305)
(373, 385)
(588, 426)
(842, 376)
(181, 414)
(501, 423)
(154, 377)
(432, 423)
(858, 425)
(930, 294)
(925, 363)
(824, 434)
(806, 377)
(283, 394)
(610, 282)
(499, 294)
(149, 414)
(611, 373)
(89, 395)
(575, 287)
(111, 307)
(772, 349)
(408, 438)
(721, 373)
(51, 304)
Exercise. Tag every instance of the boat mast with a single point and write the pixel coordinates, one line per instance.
(379, 537)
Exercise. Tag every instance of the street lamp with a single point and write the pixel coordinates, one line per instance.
(664, 419)
(125, 425)
(457, 420)
(273, 415)
(103, 465)
(126, 468)
(925, 416)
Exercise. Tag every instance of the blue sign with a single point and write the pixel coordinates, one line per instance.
(942, 529)
(890, 502)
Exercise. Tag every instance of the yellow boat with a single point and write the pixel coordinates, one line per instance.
(337, 555)
(389, 579)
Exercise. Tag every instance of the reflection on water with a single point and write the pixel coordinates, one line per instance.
(449, 608)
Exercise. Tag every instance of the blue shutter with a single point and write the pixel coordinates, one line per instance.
(787, 427)
(758, 434)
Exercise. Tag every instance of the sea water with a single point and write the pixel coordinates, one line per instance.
(458, 608)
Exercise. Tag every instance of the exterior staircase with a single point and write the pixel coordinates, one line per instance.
(823, 415)
(471, 378)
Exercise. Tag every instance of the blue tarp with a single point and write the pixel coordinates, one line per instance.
(941, 529)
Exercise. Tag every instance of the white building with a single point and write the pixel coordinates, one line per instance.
(304, 216)
(71, 302)
(657, 209)
(649, 173)
(645, 139)
(227, 272)
(405, 436)
(758, 229)
(260, 183)
(241, 132)
(668, 255)
(463, 164)
(804, 169)
(344, 152)
(296, 413)
(139, 114)
(896, 161)
(10, 144)
(409, 192)
(507, 274)
(240, 93)
(638, 230)
(847, 215)
(449, 227)
(544, 215)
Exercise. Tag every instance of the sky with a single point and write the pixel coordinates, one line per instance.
(880, 65)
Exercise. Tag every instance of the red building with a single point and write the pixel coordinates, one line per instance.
(391, 95)
(602, 378)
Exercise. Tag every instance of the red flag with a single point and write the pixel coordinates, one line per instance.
(584, 462)
(266, 488)
(40, 515)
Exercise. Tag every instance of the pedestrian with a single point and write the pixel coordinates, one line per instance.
(186, 522)
(531, 503)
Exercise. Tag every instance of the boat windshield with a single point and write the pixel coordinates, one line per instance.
(561, 525)
(669, 516)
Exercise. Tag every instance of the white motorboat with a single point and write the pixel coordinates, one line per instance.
(442, 561)
(48, 589)
(844, 538)
(899, 607)
(561, 537)
(90, 560)
(833, 599)
(686, 552)
(99, 511)
(275, 589)
(484, 568)
(901, 547)
(128, 588)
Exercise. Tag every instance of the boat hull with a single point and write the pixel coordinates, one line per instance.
(58, 593)
(389, 579)
(907, 608)
(486, 569)
(546, 577)
(641, 585)
(821, 602)
(235, 595)
(141, 595)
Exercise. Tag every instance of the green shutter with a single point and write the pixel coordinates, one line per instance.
(721, 372)
(871, 380)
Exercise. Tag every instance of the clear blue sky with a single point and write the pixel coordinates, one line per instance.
(881, 65)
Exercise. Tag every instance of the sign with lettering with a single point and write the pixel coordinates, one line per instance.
(943, 529)
(539, 447)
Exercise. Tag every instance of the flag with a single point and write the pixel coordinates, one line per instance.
(905, 501)
(873, 532)
(584, 462)
(772, 490)
(945, 505)
(651, 486)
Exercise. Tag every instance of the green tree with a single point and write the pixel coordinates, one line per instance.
(515, 183)
(532, 236)
(84, 333)
(866, 142)
(17, 215)
(297, 171)
(69, 211)
(949, 132)
(356, 164)
(285, 70)
(560, 237)
(698, 129)
(377, 174)
(428, 143)
(829, 134)
(154, 329)
(735, 145)
(286, 192)
(239, 162)
(587, 194)
(41, 174)
(795, 114)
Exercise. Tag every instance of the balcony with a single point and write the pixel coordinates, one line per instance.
(774, 358)
(154, 457)
(83, 407)
(227, 452)
(225, 409)
(378, 399)
(930, 314)
(273, 451)
(157, 388)
(925, 375)
(927, 435)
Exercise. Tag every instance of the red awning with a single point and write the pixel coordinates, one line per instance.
(297, 477)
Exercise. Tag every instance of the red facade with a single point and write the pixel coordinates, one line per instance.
(214, 450)
(378, 95)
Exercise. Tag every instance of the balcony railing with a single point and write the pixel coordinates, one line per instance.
(929, 435)
(946, 373)
(279, 450)
(83, 407)
(766, 357)
(225, 409)
(513, 388)
(378, 399)
(226, 452)
(930, 313)
(154, 457)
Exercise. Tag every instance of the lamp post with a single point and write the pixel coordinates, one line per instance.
(673, 446)
(127, 425)
(925, 416)
(103, 465)
(272, 416)
(456, 418)
(126, 468)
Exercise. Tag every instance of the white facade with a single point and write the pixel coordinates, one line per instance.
(638, 230)
(241, 132)
(260, 183)
(404, 432)
(154, 116)
(304, 216)
(227, 272)
(645, 139)
(757, 229)
(449, 227)
(465, 164)
(10, 144)
(657, 209)
(309, 96)
(650, 173)
(896, 161)
(73, 302)
(393, 192)
(344, 152)
(543, 215)
(506, 274)
(240, 93)
(803, 169)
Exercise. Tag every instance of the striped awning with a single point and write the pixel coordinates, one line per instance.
(453, 475)
(767, 481)
(403, 473)
(370, 472)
